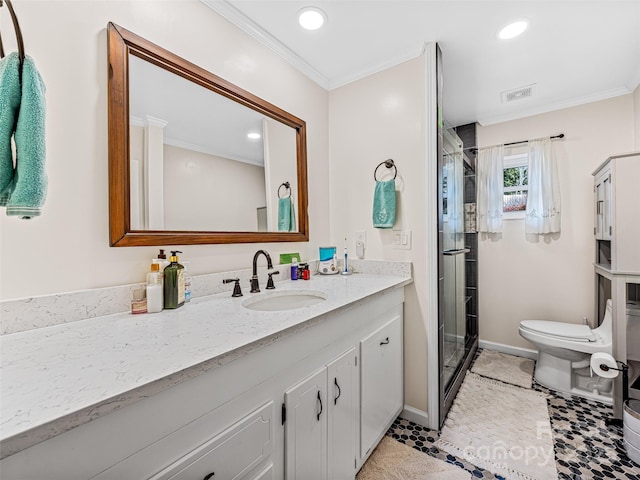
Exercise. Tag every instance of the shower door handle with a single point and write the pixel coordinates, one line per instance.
(456, 251)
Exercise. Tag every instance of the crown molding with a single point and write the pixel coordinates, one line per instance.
(378, 67)
(136, 121)
(551, 107)
(209, 151)
(244, 23)
(635, 80)
(155, 121)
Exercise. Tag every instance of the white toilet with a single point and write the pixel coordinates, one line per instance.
(564, 353)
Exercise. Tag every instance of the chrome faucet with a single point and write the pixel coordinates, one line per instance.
(255, 287)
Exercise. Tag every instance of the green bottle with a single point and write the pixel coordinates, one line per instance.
(174, 283)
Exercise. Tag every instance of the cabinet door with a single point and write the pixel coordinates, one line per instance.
(603, 205)
(306, 429)
(381, 382)
(343, 411)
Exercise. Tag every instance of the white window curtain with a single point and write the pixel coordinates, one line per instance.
(490, 185)
(543, 201)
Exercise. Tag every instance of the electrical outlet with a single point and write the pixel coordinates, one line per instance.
(361, 241)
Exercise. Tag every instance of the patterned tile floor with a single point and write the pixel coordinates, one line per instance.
(584, 447)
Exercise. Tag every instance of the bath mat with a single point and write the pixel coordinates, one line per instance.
(501, 428)
(506, 368)
(393, 460)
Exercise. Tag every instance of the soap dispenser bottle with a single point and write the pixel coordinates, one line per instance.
(174, 285)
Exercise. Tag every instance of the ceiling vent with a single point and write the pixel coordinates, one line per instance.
(517, 93)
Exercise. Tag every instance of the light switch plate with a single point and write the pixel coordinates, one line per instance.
(401, 240)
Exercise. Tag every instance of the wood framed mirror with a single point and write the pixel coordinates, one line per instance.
(183, 168)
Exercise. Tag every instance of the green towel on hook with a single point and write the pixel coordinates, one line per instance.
(286, 215)
(9, 105)
(29, 186)
(384, 204)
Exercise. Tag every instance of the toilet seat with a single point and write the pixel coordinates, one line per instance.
(581, 343)
(567, 331)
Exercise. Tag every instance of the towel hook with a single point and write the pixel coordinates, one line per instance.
(389, 164)
(287, 186)
(16, 27)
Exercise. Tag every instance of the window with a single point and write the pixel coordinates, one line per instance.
(516, 185)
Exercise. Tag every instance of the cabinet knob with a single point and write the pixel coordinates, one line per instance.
(385, 341)
(208, 476)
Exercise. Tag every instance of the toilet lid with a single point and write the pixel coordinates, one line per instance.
(573, 331)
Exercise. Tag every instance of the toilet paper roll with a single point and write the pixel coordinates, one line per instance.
(600, 359)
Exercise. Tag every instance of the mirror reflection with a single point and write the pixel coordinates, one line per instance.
(202, 162)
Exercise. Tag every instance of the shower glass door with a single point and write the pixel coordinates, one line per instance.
(453, 250)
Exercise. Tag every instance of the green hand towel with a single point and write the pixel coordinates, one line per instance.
(286, 215)
(384, 204)
(9, 105)
(29, 188)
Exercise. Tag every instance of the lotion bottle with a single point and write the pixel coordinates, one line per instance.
(162, 261)
(174, 284)
(155, 293)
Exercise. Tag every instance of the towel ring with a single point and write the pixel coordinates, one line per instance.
(287, 186)
(389, 164)
(18, 32)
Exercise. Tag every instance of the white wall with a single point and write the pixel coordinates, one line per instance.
(202, 191)
(553, 278)
(68, 248)
(371, 120)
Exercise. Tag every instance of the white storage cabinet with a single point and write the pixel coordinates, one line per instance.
(321, 422)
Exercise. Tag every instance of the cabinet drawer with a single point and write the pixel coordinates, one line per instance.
(230, 454)
(381, 382)
(264, 474)
(212, 446)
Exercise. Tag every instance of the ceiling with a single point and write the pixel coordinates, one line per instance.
(574, 52)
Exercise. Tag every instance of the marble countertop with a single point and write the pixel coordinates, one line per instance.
(60, 377)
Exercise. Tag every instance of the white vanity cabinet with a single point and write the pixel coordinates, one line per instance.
(321, 422)
(227, 420)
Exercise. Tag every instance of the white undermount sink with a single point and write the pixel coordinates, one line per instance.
(284, 300)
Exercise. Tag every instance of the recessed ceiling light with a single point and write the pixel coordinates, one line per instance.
(311, 18)
(513, 29)
(254, 136)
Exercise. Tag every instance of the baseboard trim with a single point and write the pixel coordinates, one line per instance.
(508, 349)
(415, 415)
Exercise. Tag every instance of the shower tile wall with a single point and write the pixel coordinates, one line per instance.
(467, 134)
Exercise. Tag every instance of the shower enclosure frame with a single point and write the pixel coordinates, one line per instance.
(457, 257)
